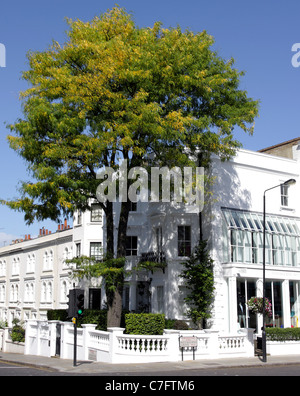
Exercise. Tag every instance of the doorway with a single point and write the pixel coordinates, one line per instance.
(94, 298)
(246, 288)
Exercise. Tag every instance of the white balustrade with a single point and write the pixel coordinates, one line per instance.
(116, 347)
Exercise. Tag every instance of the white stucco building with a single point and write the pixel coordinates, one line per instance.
(233, 226)
(34, 277)
(236, 236)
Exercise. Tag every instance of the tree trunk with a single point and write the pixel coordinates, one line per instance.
(114, 298)
(122, 231)
(109, 230)
(114, 302)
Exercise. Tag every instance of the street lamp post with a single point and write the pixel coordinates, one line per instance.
(264, 341)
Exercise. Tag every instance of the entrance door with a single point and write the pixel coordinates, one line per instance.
(94, 298)
(58, 339)
(142, 297)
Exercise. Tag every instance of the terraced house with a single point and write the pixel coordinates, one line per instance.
(34, 276)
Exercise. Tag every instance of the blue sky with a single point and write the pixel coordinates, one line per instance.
(259, 35)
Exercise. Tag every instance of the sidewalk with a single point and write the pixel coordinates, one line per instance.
(65, 365)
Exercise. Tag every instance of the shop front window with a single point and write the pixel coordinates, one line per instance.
(245, 290)
(274, 294)
(294, 303)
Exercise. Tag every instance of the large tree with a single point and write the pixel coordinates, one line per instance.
(114, 91)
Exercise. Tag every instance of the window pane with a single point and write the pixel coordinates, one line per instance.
(96, 250)
(131, 246)
(240, 241)
(284, 195)
(134, 243)
(96, 213)
(288, 250)
(236, 219)
(180, 233)
(260, 240)
(184, 241)
(294, 302)
(268, 249)
(187, 230)
(254, 248)
(293, 251)
(248, 247)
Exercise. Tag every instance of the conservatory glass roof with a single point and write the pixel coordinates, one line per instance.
(252, 221)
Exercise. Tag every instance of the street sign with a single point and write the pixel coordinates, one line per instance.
(188, 342)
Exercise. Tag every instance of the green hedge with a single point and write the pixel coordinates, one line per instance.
(18, 332)
(57, 314)
(286, 334)
(176, 324)
(145, 323)
(90, 316)
(151, 324)
(94, 316)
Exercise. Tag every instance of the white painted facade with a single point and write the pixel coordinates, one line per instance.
(33, 276)
(240, 185)
(172, 230)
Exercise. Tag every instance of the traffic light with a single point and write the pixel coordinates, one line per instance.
(71, 310)
(79, 302)
(75, 303)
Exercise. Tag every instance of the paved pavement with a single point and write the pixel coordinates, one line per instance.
(66, 365)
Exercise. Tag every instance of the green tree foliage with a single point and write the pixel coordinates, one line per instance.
(17, 332)
(114, 91)
(199, 279)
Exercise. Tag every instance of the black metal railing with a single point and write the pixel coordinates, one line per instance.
(155, 257)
